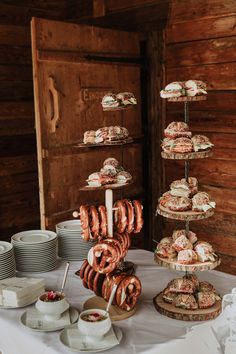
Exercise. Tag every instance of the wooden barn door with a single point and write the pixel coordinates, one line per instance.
(74, 66)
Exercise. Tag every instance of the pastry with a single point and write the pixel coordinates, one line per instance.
(185, 301)
(182, 243)
(201, 202)
(181, 145)
(204, 251)
(126, 98)
(177, 130)
(180, 188)
(89, 137)
(123, 177)
(190, 235)
(195, 88)
(110, 101)
(182, 285)
(205, 299)
(174, 89)
(187, 257)
(201, 143)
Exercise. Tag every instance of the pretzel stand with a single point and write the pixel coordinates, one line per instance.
(187, 216)
(116, 313)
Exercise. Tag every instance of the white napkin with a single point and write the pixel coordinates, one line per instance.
(78, 341)
(34, 319)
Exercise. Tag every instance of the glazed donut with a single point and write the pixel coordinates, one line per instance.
(82, 269)
(103, 220)
(128, 291)
(84, 217)
(120, 216)
(103, 257)
(138, 209)
(130, 215)
(94, 225)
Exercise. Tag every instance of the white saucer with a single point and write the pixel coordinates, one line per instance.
(32, 237)
(48, 326)
(65, 339)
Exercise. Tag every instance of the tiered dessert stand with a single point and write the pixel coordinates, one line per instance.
(187, 216)
(128, 267)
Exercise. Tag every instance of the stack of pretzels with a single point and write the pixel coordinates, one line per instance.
(105, 256)
(128, 286)
(128, 218)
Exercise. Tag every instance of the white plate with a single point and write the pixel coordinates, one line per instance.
(34, 236)
(65, 340)
(5, 247)
(53, 326)
(70, 225)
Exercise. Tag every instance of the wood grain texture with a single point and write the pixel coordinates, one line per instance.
(214, 27)
(171, 311)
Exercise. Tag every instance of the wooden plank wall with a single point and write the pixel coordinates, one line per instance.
(205, 49)
(19, 205)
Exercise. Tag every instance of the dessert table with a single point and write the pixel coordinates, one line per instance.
(146, 332)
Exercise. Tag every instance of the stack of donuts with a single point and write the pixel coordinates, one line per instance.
(128, 286)
(128, 217)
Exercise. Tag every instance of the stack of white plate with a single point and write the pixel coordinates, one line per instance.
(35, 250)
(7, 260)
(71, 246)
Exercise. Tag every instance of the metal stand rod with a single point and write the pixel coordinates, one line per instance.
(109, 207)
(186, 117)
(187, 226)
(186, 170)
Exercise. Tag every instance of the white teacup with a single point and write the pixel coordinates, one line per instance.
(52, 310)
(94, 330)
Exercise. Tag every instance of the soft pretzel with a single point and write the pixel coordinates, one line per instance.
(94, 222)
(120, 216)
(97, 283)
(138, 209)
(91, 276)
(103, 220)
(82, 269)
(128, 291)
(130, 215)
(115, 243)
(122, 243)
(103, 257)
(84, 217)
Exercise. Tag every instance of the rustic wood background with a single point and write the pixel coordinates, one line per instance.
(190, 39)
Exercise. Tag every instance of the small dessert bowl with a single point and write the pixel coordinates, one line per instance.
(52, 305)
(94, 324)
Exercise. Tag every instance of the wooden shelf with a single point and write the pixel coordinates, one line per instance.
(187, 156)
(199, 266)
(186, 315)
(184, 215)
(106, 186)
(113, 143)
(123, 108)
(187, 98)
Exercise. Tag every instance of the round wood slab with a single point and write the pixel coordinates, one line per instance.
(122, 108)
(187, 155)
(107, 143)
(199, 266)
(184, 215)
(106, 186)
(187, 98)
(186, 315)
(115, 312)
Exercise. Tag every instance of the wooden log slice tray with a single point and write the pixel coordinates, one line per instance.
(198, 266)
(107, 143)
(115, 312)
(121, 108)
(106, 186)
(186, 315)
(187, 155)
(187, 98)
(184, 215)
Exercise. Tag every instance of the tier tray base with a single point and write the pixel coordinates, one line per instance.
(199, 266)
(186, 315)
(184, 215)
(187, 155)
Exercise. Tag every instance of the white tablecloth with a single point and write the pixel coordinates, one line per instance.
(146, 332)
